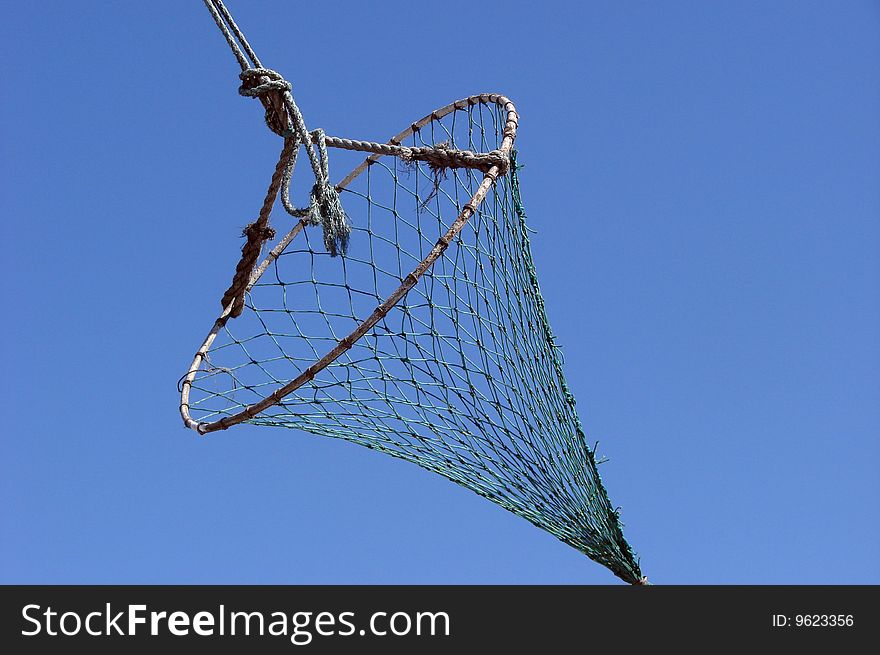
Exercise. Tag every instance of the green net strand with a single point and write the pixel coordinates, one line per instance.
(461, 377)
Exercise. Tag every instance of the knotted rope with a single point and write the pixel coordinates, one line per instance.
(437, 157)
(269, 87)
(283, 117)
(257, 233)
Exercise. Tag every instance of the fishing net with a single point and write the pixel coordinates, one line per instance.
(421, 334)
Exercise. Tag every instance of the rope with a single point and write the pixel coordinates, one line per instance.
(227, 26)
(269, 87)
(325, 207)
(436, 156)
(284, 118)
(257, 234)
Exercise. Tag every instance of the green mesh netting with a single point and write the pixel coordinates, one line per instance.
(462, 376)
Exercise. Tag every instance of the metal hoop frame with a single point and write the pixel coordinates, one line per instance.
(382, 310)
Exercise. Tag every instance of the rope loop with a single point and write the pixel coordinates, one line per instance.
(325, 207)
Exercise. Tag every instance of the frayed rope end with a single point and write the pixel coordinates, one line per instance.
(326, 209)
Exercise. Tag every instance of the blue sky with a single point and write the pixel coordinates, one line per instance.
(703, 179)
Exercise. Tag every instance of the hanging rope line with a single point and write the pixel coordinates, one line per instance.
(418, 329)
